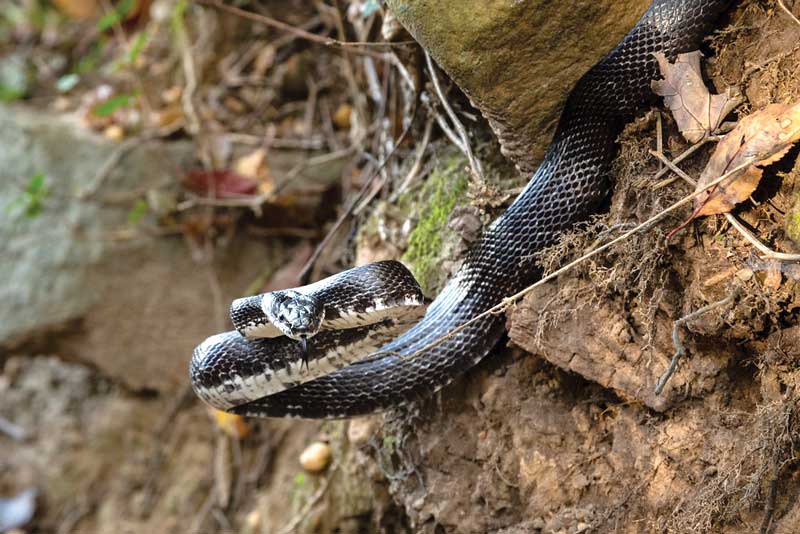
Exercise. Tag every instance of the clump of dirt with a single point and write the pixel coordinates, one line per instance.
(755, 476)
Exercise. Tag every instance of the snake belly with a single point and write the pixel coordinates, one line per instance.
(569, 185)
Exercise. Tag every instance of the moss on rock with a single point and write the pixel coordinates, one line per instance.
(445, 189)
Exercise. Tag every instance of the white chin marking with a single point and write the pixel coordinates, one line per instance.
(261, 330)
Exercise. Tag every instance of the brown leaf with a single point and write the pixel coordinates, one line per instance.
(341, 117)
(696, 111)
(233, 425)
(78, 9)
(219, 183)
(760, 138)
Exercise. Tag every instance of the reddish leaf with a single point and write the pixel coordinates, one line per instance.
(761, 138)
(221, 183)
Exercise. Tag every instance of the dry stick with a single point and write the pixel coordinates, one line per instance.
(676, 341)
(350, 46)
(313, 500)
(499, 308)
(786, 9)
(474, 164)
(364, 188)
(682, 156)
(769, 508)
(659, 137)
(13, 430)
(767, 252)
(415, 168)
(255, 202)
(448, 131)
(119, 152)
(190, 73)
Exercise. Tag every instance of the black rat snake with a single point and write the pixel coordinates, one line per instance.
(267, 378)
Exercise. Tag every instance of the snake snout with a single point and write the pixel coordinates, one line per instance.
(295, 314)
(302, 321)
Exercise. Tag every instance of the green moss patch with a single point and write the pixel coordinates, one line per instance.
(444, 190)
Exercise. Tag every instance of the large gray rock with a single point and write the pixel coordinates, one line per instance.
(518, 60)
(78, 273)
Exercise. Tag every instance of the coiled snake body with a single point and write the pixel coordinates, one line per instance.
(573, 179)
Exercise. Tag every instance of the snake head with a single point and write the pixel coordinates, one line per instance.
(297, 315)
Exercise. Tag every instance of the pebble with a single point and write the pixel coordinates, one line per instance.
(114, 132)
(360, 430)
(316, 457)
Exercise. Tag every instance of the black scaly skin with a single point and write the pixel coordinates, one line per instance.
(569, 185)
(343, 291)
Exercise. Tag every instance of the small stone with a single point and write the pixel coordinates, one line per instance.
(172, 94)
(161, 10)
(252, 522)
(744, 274)
(61, 103)
(114, 132)
(341, 117)
(774, 277)
(316, 457)
(361, 430)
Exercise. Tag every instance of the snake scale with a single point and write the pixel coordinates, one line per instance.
(233, 373)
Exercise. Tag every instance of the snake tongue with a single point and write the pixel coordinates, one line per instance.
(304, 349)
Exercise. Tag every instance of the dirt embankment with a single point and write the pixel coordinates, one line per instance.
(572, 437)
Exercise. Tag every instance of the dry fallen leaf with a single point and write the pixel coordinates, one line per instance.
(78, 9)
(696, 111)
(168, 117)
(222, 183)
(233, 425)
(760, 138)
(341, 117)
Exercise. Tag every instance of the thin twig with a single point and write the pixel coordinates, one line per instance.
(659, 137)
(755, 67)
(448, 131)
(415, 168)
(505, 303)
(255, 202)
(682, 156)
(676, 341)
(13, 430)
(767, 252)
(190, 73)
(769, 507)
(312, 501)
(350, 46)
(119, 152)
(304, 272)
(788, 12)
(474, 163)
(309, 143)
